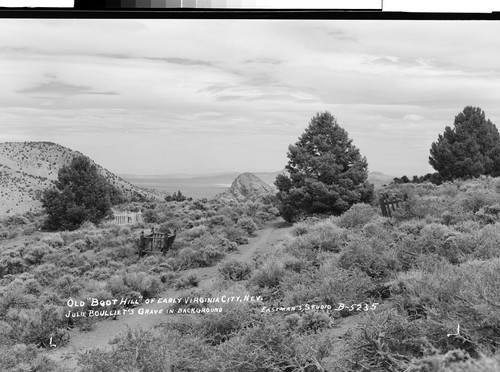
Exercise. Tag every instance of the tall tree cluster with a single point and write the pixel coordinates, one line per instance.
(470, 149)
(326, 172)
(80, 194)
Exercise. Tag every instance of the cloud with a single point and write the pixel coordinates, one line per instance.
(207, 83)
(383, 60)
(267, 98)
(270, 61)
(115, 56)
(339, 34)
(60, 89)
(181, 61)
(173, 60)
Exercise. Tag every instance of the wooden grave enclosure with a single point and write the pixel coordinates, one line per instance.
(388, 206)
(155, 243)
(127, 217)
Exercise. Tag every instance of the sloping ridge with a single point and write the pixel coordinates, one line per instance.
(248, 185)
(28, 168)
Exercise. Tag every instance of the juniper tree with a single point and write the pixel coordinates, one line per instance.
(326, 172)
(80, 194)
(470, 149)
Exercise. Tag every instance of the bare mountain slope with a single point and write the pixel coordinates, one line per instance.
(28, 168)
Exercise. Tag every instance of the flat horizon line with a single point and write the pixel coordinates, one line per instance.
(191, 174)
(205, 174)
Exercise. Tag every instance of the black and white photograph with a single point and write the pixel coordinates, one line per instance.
(249, 195)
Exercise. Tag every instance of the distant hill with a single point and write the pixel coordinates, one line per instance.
(211, 184)
(379, 179)
(248, 186)
(269, 177)
(207, 179)
(28, 168)
(194, 185)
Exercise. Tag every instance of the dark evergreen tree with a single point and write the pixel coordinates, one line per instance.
(436, 179)
(81, 194)
(176, 196)
(405, 179)
(327, 174)
(470, 149)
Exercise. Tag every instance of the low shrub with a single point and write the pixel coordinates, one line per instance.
(195, 232)
(33, 254)
(34, 325)
(15, 296)
(68, 286)
(218, 221)
(488, 242)
(151, 216)
(300, 228)
(266, 347)
(456, 361)
(188, 281)
(235, 270)
(489, 214)
(148, 286)
(388, 341)
(371, 256)
(467, 293)
(357, 216)
(135, 350)
(169, 278)
(23, 358)
(295, 264)
(210, 255)
(439, 239)
(46, 273)
(329, 286)
(215, 328)
(235, 234)
(269, 275)
(116, 286)
(247, 225)
(322, 236)
(11, 263)
(79, 244)
(54, 240)
(474, 200)
(313, 322)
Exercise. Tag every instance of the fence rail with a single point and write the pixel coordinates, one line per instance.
(390, 206)
(127, 218)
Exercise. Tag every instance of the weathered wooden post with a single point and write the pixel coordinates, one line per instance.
(383, 207)
(164, 247)
(142, 244)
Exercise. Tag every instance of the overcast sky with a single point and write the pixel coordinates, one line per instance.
(196, 96)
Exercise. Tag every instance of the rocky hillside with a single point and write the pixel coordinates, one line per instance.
(248, 185)
(28, 168)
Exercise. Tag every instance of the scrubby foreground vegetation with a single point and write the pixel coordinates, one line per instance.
(41, 271)
(345, 290)
(433, 269)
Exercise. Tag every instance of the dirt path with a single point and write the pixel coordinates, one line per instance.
(105, 331)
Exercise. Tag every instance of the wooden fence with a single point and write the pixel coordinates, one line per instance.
(389, 206)
(155, 243)
(127, 218)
